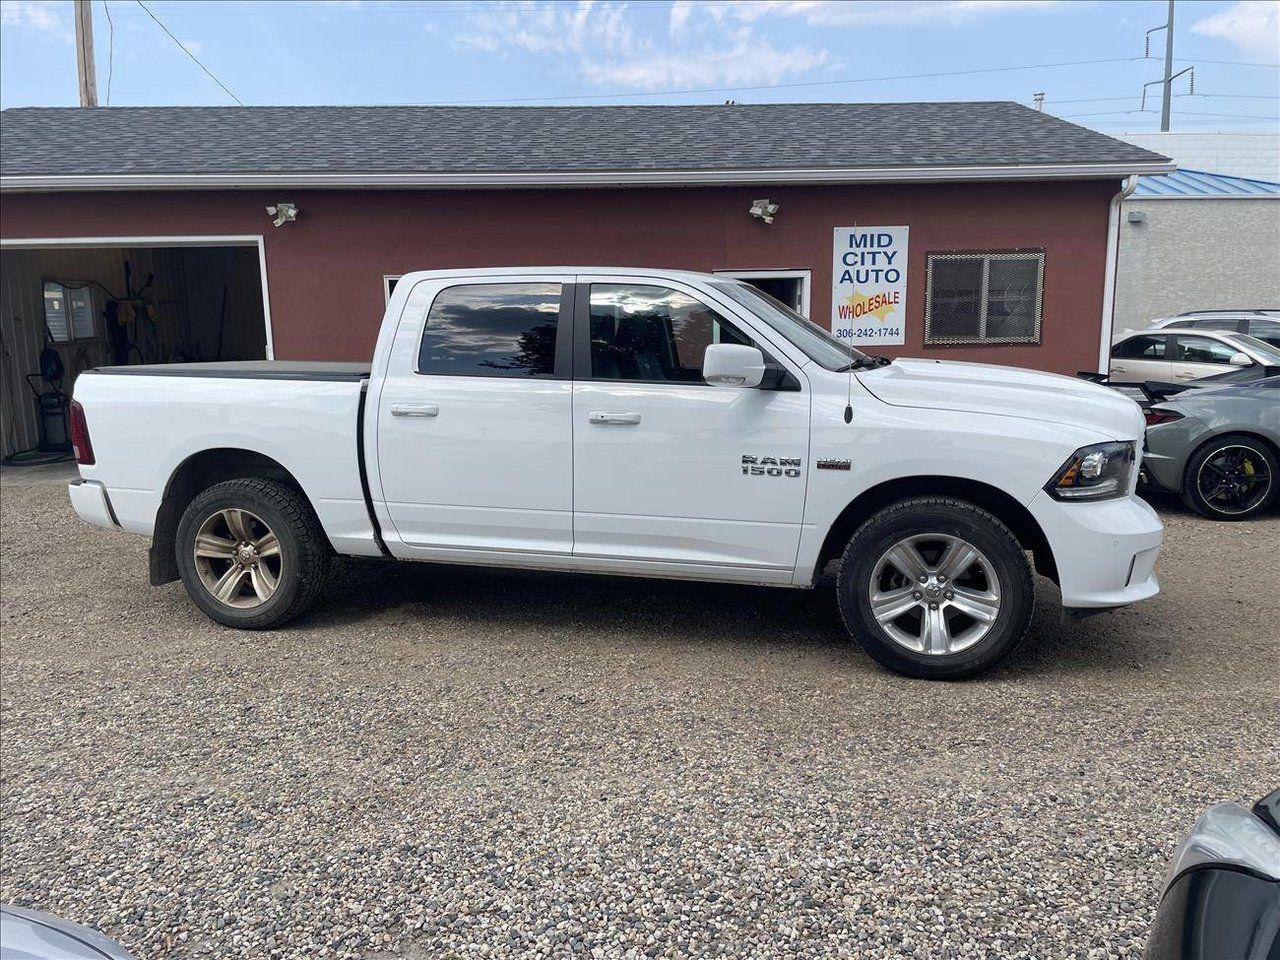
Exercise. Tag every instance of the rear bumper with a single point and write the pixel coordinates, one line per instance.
(89, 498)
(1105, 552)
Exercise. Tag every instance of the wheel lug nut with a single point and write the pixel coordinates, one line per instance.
(916, 595)
(950, 595)
(933, 606)
(923, 578)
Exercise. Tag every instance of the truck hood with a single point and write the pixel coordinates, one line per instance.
(1006, 392)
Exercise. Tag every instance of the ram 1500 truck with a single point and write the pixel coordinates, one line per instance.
(638, 422)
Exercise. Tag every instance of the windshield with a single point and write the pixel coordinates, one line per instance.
(1263, 350)
(816, 343)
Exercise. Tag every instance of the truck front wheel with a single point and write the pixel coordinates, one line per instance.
(251, 553)
(935, 587)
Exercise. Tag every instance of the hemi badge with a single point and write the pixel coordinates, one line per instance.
(834, 465)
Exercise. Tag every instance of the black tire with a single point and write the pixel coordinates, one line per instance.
(1197, 476)
(303, 551)
(948, 517)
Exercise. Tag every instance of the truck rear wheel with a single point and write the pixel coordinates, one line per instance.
(935, 587)
(251, 553)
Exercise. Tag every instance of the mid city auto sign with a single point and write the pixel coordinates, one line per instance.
(869, 285)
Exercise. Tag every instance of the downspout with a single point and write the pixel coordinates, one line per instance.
(1109, 283)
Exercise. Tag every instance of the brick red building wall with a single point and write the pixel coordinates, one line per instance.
(325, 269)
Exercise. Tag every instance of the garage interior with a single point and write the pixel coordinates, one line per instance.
(66, 309)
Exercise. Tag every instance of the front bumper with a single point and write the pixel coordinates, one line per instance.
(89, 498)
(1105, 552)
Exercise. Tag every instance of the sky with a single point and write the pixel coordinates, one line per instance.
(1086, 57)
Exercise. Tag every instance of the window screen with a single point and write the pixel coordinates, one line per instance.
(983, 298)
(652, 334)
(492, 330)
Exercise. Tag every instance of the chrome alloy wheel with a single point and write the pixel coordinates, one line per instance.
(238, 558)
(1235, 479)
(934, 594)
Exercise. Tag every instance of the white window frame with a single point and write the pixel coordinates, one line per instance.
(64, 286)
(387, 280)
(986, 256)
(804, 276)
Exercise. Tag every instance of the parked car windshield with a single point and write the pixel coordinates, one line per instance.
(816, 343)
(1263, 350)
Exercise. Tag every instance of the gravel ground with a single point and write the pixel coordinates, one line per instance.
(457, 761)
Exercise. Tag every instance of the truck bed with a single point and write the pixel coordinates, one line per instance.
(248, 370)
(147, 421)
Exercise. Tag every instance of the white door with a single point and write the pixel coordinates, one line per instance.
(474, 430)
(1139, 358)
(668, 469)
(1195, 357)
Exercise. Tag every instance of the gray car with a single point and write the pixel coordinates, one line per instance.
(33, 935)
(1218, 448)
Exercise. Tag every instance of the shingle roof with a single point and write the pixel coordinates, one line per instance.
(1194, 184)
(227, 140)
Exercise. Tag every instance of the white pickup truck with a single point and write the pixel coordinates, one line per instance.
(638, 422)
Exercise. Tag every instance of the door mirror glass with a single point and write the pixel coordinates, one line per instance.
(1240, 360)
(732, 365)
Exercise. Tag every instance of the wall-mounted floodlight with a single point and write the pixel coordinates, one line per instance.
(283, 213)
(764, 210)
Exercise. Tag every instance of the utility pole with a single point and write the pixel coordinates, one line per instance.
(84, 54)
(1168, 71)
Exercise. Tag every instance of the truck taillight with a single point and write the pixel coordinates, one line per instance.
(80, 435)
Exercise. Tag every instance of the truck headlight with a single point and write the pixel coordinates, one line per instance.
(1100, 471)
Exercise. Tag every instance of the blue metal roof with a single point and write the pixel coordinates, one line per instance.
(1197, 183)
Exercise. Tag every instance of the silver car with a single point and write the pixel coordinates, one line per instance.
(1217, 447)
(1262, 324)
(1178, 356)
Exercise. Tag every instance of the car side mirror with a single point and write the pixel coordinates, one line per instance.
(732, 365)
(1240, 360)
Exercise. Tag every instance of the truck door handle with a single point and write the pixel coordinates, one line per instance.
(414, 409)
(602, 416)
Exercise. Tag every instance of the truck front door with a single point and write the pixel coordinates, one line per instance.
(474, 451)
(668, 469)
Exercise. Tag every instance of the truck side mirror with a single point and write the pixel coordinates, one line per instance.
(732, 365)
(1240, 360)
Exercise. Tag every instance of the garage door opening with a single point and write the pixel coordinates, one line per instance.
(69, 306)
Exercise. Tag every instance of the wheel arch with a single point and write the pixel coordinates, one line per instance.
(198, 472)
(1005, 508)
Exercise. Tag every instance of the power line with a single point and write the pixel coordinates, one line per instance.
(1181, 113)
(111, 48)
(184, 49)
(780, 86)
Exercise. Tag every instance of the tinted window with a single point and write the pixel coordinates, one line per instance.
(1268, 330)
(1216, 323)
(652, 334)
(1140, 348)
(1201, 350)
(492, 330)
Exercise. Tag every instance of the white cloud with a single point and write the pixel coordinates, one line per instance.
(887, 13)
(1252, 25)
(193, 47)
(43, 15)
(603, 45)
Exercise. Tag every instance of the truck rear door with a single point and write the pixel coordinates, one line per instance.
(474, 448)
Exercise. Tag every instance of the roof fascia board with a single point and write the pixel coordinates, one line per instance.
(1143, 198)
(505, 180)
